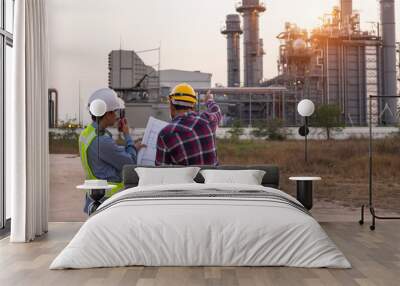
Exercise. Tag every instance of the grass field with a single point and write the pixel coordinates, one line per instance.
(343, 165)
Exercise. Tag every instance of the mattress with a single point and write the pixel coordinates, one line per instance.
(201, 225)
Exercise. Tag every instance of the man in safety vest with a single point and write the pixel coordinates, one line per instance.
(190, 138)
(107, 163)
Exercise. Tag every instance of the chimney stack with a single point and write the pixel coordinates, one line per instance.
(253, 52)
(233, 32)
(346, 10)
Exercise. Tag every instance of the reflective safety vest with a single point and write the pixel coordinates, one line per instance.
(85, 139)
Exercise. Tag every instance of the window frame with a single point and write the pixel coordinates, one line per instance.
(6, 39)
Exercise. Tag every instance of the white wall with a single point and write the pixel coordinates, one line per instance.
(315, 133)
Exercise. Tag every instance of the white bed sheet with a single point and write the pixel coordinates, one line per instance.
(200, 232)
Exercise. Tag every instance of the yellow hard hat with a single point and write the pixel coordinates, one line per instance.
(183, 94)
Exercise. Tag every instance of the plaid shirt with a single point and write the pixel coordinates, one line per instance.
(190, 138)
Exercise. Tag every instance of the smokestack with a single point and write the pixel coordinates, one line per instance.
(346, 10)
(250, 9)
(233, 32)
(388, 24)
(260, 61)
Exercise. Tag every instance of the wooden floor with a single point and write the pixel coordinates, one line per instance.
(375, 257)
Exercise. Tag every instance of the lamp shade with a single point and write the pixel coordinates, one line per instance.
(98, 107)
(306, 108)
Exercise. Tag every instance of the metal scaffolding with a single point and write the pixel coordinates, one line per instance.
(253, 105)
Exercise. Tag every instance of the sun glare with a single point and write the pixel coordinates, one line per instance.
(312, 13)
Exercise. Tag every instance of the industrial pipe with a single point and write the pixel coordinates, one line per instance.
(54, 91)
(242, 90)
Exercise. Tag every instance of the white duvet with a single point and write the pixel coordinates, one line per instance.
(200, 232)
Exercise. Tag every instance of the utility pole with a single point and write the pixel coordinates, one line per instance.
(79, 104)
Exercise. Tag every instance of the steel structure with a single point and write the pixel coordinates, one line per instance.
(251, 105)
(253, 46)
(350, 71)
(337, 64)
(232, 30)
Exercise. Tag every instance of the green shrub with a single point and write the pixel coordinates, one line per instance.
(271, 129)
(236, 130)
(328, 116)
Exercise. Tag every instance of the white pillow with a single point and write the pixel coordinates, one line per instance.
(166, 176)
(245, 177)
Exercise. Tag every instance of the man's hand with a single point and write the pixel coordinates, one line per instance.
(124, 126)
(208, 96)
(139, 145)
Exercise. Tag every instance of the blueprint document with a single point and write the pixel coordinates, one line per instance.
(147, 156)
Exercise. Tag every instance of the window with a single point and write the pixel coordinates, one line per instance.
(6, 43)
(9, 19)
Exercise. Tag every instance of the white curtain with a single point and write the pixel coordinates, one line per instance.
(27, 157)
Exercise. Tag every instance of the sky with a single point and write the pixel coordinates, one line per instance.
(83, 32)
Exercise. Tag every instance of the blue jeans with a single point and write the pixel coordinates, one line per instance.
(89, 202)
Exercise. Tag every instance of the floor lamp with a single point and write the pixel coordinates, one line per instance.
(371, 202)
(305, 108)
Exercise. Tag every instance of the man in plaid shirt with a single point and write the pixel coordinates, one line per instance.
(190, 138)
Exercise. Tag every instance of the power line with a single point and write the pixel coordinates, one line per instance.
(149, 50)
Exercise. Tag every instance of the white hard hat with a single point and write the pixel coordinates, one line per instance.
(108, 96)
(121, 103)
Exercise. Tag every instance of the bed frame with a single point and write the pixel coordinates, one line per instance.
(270, 179)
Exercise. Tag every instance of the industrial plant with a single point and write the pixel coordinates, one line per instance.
(251, 101)
(337, 63)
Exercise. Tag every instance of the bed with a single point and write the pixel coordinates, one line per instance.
(197, 224)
